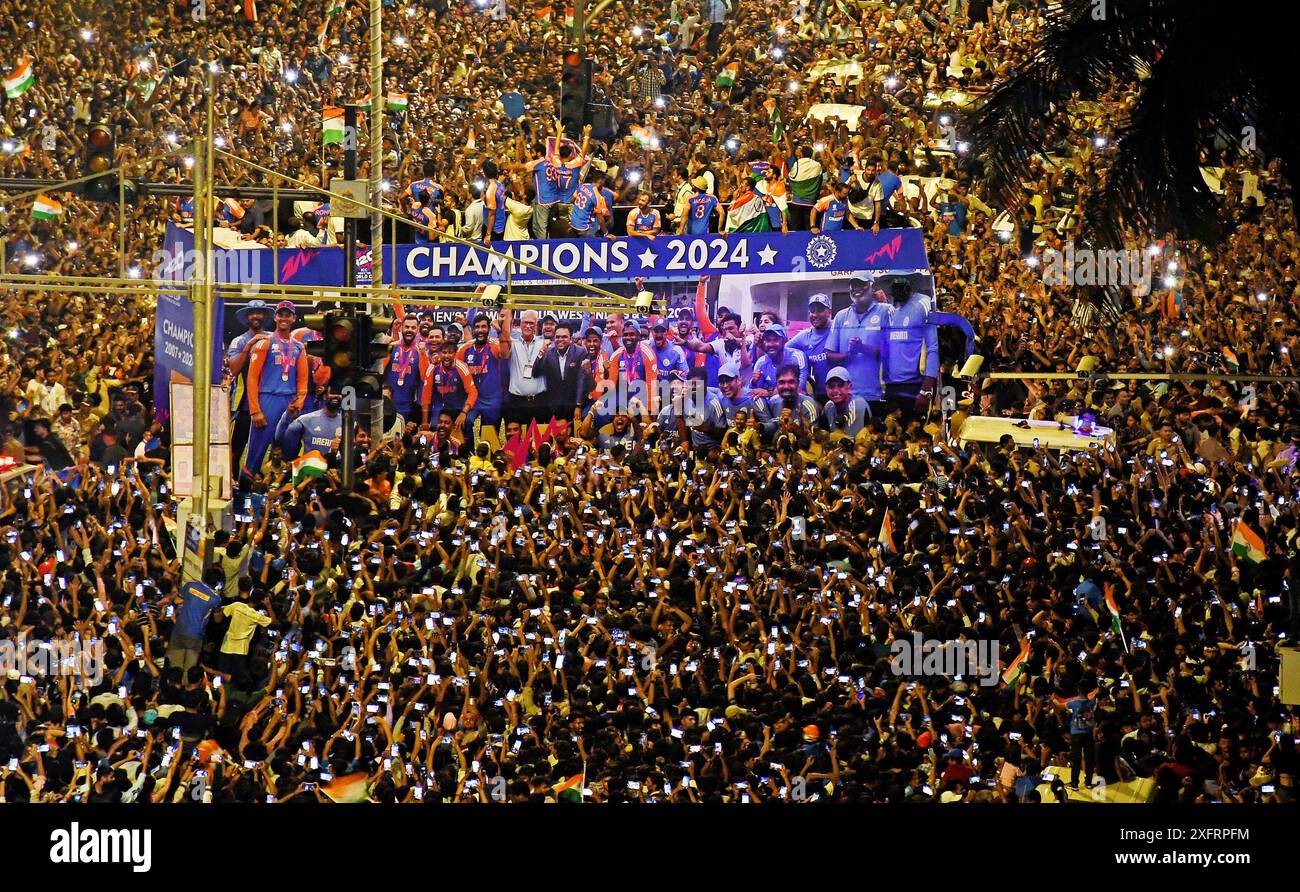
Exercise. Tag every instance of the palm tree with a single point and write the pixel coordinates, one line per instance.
(1205, 75)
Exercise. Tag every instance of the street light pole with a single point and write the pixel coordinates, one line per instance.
(376, 143)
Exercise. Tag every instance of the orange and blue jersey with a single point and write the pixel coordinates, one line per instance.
(494, 202)
(451, 389)
(700, 209)
(425, 185)
(832, 213)
(644, 223)
(424, 216)
(487, 364)
(277, 366)
(589, 203)
(555, 181)
(404, 373)
(185, 209)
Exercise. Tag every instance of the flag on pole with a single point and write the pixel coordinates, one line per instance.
(250, 10)
(332, 125)
(727, 76)
(774, 116)
(46, 208)
(21, 80)
(1246, 543)
(1013, 672)
(886, 537)
(396, 102)
(312, 464)
(333, 7)
(546, 13)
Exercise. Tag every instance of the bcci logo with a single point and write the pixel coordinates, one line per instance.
(820, 251)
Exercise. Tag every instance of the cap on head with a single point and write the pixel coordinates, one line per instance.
(776, 329)
(839, 372)
(286, 306)
(819, 299)
(729, 370)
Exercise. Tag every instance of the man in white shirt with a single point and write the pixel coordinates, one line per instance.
(307, 234)
(526, 400)
(44, 395)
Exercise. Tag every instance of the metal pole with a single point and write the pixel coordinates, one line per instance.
(201, 290)
(579, 23)
(121, 223)
(349, 280)
(275, 230)
(349, 173)
(376, 125)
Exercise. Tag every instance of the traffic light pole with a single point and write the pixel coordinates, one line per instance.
(347, 442)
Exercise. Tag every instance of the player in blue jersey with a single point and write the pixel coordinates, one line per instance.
(811, 342)
(278, 377)
(314, 431)
(911, 358)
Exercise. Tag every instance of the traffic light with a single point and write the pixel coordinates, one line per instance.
(372, 342)
(575, 94)
(101, 155)
(335, 346)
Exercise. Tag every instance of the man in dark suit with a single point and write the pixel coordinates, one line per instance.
(561, 367)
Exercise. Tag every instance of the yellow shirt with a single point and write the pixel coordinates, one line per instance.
(244, 620)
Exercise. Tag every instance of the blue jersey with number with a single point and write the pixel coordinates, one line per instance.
(700, 209)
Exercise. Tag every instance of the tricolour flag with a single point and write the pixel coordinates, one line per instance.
(886, 536)
(545, 14)
(323, 35)
(250, 10)
(1012, 673)
(727, 76)
(644, 136)
(571, 783)
(568, 16)
(396, 102)
(1247, 543)
(312, 464)
(46, 208)
(1112, 605)
(22, 78)
(774, 116)
(748, 213)
(349, 788)
(333, 7)
(332, 125)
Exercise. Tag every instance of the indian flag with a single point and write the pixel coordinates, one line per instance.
(727, 76)
(644, 136)
(21, 80)
(332, 125)
(396, 102)
(323, 35)
(1247, 543)
(350, 788)
(1012, 673)
(748, 213)
(886, 537)
(568, 16)
(774, 116)
(250, 10)
(312, 464)
(333, 7)
(571, 783)
(545, 13)
(46, 208)
(1112, 605)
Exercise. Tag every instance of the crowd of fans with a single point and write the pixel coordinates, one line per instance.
(678, 601)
